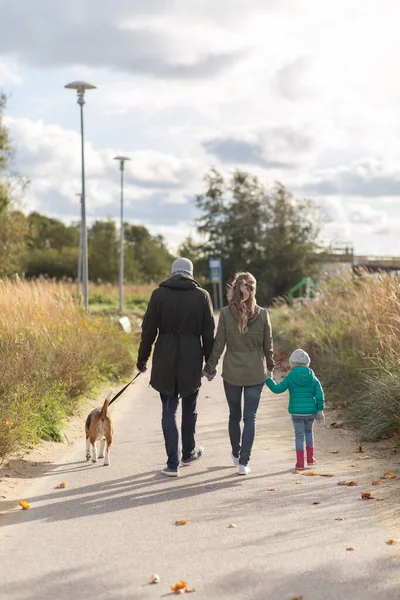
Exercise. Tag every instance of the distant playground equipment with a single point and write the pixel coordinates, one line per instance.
(304, 291)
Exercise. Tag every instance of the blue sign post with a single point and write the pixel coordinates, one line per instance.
(215, 269)
(216, 278)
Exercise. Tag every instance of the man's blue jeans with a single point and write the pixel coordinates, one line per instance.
(170, 428)
(303, 428)
(242, 444)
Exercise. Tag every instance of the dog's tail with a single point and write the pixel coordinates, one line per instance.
(103, 412)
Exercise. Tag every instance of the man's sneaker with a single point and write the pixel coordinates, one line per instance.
(244, 470)
(197, 454)
(235, 460)
(169, 472)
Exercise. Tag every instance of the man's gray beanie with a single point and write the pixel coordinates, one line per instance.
(182, 266)
(299, 358)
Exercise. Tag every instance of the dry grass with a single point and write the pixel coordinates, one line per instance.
(51, 353)
(353, 335)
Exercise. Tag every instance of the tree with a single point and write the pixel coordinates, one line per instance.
(45, 232)
(103, 251)
(13, 227)
(147, 257)
(269, 233)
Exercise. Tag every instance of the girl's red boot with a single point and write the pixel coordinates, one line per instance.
(310, 456)
(300, 459)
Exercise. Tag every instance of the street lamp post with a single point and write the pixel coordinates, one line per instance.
(81, 87)
(122, 160)
(79, 276)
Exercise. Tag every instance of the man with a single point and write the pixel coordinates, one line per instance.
(180, 313)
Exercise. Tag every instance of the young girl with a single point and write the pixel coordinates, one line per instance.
(306, 403)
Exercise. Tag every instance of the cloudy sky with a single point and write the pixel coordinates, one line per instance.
(306, 92)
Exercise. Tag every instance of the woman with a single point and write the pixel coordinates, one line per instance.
(245, 329)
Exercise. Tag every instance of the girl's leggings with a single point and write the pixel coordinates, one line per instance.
(303, 429)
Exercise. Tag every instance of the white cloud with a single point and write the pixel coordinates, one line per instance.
(306, 93)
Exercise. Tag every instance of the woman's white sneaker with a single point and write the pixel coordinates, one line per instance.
(235, 460)
(244, 470)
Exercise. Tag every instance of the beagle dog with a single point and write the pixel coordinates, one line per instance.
(99, 426)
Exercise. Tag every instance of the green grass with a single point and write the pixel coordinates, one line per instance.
(52, 355)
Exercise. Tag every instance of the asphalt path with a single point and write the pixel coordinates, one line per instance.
(112, 528)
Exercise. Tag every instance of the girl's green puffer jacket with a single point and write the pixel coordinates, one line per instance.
(306, 396)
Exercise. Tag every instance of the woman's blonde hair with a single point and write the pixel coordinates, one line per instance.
(242, 294)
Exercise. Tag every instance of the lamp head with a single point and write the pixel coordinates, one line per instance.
(122, 160)
(80, 87)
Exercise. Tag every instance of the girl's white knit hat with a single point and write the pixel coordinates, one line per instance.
(299, 358)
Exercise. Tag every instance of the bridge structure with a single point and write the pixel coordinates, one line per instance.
(344, 255)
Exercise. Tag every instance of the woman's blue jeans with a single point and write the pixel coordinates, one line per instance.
(303, 429)
(242, 444)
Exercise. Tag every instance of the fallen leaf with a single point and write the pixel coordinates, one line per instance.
(310, 473)
(350, 549)
(272, 490)
(374, 482)
(385, 473)
(61, 486)
(23, 504)
(6, 423)
(316, 502)
(392, 476)
(349, 483)
(181, 585)
(326, 475)
(182, 522)
(335, 451)
(155, 579)
(366, 496)
(339, 518)
(359, 449)
(392, 542)
(231, 526)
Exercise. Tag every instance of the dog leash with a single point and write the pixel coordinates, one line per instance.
(123, 389)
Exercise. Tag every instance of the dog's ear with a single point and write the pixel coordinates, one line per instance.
(109, 395)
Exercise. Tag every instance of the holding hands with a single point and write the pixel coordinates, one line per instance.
(209, 376)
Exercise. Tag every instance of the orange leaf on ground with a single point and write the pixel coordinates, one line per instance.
(359, 449)
(366, 496)
(182, 522)
(350, 549)
(349, 483)
(392, 542)
(61, 486)
(392, 476)
(23, 504)
(374, 482)
(181, 585)
(6, 423)
(326, 475)
(310, 473)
